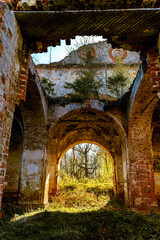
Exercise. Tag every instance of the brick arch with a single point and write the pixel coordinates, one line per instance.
(118, 192)
(56, 112)
(34, 116)
(143, 101)
(111, 155)
(87, 124)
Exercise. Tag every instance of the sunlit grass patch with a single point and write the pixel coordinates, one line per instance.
(68, 224)
(83, 212)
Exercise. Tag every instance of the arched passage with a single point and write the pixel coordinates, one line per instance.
(112, 156)
(156, 148)
(140, 144)
(14, 161)
(25, 166)
(87, 125)
(34, 151)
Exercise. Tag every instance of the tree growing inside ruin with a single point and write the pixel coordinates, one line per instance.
(87, 84)
(118, 81)
(48, 87)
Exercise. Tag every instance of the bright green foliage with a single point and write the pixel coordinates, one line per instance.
(87, 158)
(117, 83)
(67, 182)
(48, 87)
(94, 190)
(85, 85)
(106, 167)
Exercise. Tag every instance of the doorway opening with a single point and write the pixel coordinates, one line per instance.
(11, 193)
(85, 177)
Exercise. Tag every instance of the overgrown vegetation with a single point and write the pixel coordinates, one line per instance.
(82, 194)
(116, 84)
(118, 81)
(48, 87)
(87, 84)
(81, 210)
(89, 161)
(85, 178)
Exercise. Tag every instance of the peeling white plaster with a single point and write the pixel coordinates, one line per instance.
(24, 183)
(32, 169)
(33, 155)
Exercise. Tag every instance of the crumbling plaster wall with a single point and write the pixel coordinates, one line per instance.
(33, 161)
(26, 161)
(67, 70)
(34, 114)
(11, 42)
(60, 76)
(14, 158)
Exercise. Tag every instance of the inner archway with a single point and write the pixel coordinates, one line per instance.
(86, 177)
(91, 126)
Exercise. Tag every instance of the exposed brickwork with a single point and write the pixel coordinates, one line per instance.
(133, 163)
(10, 47)
(156, 147)
(140, 146)
(90, 125)
(34, 121)
(154, 69)
(23, 74)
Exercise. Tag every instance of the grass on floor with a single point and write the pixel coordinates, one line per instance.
(80, 217)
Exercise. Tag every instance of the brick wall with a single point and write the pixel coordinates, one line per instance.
(23, 74)
(34, 114)
(140, 145)
(10, 49)
(154, 69)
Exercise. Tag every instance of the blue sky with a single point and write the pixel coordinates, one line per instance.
(55, 54)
